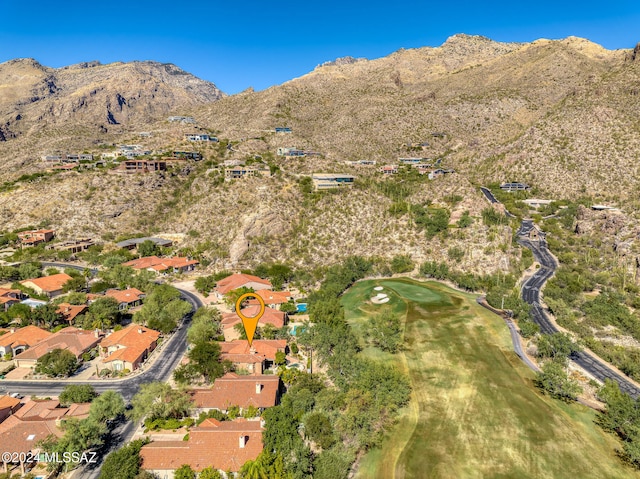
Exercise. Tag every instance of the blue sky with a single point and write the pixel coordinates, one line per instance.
(260, 44)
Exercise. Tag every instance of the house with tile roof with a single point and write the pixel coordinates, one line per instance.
(225, 446)
(255, 359)
(272, 299)
(127, 298)
(69, 312)
(240, 280)
(33, 422)
(18, 340)
(77, 341)
(129, 347)
(9, 297)
(8, 406)
(35, 237)
(233, 390)
(271, 316)
(50, 286)
(177, 264)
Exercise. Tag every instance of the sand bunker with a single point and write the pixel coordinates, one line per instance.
(380, 298)
(378, 288)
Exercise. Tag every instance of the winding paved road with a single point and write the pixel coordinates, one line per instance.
(531, 294)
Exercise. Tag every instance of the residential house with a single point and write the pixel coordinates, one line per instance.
(514, 187)
(21, 339)
(127, 299)
(222, 445)
(141, 166)
(270, 316)
(246, 171)
(233, 390)
(324, 181)
(69, 312)
(129, 347)
(536, 203)
(411, 161)
(389, 169)
(77, 341)
(200, 137)
(133, 243)
(9, 297)
(181, 119)
(8, 406)
(290, 152)
(240, 280)
(35, 237)
(50, 286)
(253, 359)
(177, 264)
(190, 155)
(272, 299)
(440, 172)
(34, 422)
(75, 246)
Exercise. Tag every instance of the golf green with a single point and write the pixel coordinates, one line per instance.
(474, 411)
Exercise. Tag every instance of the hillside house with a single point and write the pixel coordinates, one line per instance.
(133, 243)
(141, 166)
(411, 161)
(52, 158)
(283, 129)
(127, 299)
(325, 181)
(77, 341)
(75, 246)
(181, 119)
(177, 264)
(222, 445)
(200, 137)
(35, 237)
(289, 152)
(389, 169)
(270, 316)
(233, 390)
(240, 280)
(189, 155)
(440, 172)
(514, 187)
(129, 347)
(18, 340)
(237, 172)
(50, 286)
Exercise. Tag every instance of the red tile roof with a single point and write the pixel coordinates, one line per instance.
(264, 347)
(75, 340)
(8, 402)
(132, 341)
(272, 297)
(238, 280)
(49, 283)
(27, 336)
(160, 264)
(213, 444)
(242, 391)
(70, 311)
(130, 295)
(271, 316)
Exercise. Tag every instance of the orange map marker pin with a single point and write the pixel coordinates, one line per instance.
(250, 323)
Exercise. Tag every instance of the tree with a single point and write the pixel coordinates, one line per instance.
(185, 472)
(553, 379)
(123, 463)
(74, 284)
(210, 473)
(77, 393)
(160, 401)
(204, 360)
(162, 309)
(57, 363)
(289, 308)
(401, 264)
(465, 220)
(385, 331)
(556, 345)
(317, 427)
(281, 358)
(148, 248)
(108, 405)
(205, 284)
(76, 298)
(46, 316)
(29, 270)
(104, 312)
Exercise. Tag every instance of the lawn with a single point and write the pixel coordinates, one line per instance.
(474, 412)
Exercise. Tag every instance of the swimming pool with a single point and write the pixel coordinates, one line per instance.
(302, 307)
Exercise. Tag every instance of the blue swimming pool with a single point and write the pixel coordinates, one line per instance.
(302, 307)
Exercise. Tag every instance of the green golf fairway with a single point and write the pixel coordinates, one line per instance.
(474, 411)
